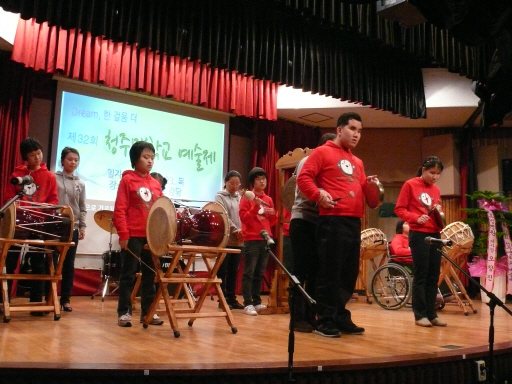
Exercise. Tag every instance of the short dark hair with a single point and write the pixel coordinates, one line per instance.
(30, 144)
(158, 177)
(254, 173)
(430, 162)
(345, 117)
(136, 151)
(231, 174)
(66, 151)
(399, 226)
(325, 138)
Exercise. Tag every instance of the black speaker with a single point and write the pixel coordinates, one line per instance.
(401, 11)
(506, 176)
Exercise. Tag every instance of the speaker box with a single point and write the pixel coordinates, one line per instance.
(400, 10)
(506, 175)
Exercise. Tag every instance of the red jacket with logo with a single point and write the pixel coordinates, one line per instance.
(42, 190)
(254, 219)
(135, 196)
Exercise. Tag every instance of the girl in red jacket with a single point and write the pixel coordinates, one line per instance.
(418, 198)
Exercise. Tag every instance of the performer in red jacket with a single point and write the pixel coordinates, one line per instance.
(256, 215)
(42, 190)
(418, 199)
(136, 193)
(334, 178)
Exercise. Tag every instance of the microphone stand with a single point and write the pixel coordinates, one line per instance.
(493, 301)
(18, 196)
(292, 289)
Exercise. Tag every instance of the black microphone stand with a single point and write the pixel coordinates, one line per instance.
(493, 301)
(18, 196)
(292, 289)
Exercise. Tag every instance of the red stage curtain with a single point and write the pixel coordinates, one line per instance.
(15, 101)
(120, 65)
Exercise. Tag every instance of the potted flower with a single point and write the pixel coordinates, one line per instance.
(490, 223)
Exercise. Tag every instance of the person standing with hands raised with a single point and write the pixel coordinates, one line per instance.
(417, 203)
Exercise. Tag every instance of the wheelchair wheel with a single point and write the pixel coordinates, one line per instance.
(391, 286)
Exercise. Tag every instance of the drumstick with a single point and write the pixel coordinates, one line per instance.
(140, 259)
(351, 194)
(249, 195)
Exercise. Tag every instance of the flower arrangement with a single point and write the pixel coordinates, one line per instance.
(486, 221)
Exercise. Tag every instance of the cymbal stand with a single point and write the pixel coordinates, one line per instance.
(108, 276)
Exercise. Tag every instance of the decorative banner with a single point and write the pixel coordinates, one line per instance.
(508, 251)
(492, 244)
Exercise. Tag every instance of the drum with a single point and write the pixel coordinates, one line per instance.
(208, 227)
(373, 243)
(462, 239)
(115, 264)
(50, 223)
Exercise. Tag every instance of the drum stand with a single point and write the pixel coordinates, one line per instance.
(107, 279)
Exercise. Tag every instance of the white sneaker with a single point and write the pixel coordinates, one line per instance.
(156, 320)
(125, 320)
(250, 310)
(260, 307)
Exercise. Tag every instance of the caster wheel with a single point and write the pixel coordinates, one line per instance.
(56, 317)
(234, 330)
(102, 299)
(190, 323)
(475, 311)
(7, 319)
(176, 334)
(92, 297)
(145, 326)
(466, 314)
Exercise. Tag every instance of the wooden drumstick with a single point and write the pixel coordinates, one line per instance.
(249, 195)
(351, 194)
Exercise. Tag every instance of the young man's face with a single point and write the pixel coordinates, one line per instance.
(34, 159)
(260, 183)
(145, 162)
(349, 135)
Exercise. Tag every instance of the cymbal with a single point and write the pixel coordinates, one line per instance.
(104, 220)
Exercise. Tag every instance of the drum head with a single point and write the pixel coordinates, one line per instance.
(373, 243)
(288, 193)
(374, 194)
(7, 223)
(216, 207)
(161, 226)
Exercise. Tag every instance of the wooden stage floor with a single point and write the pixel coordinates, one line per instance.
(90, 339)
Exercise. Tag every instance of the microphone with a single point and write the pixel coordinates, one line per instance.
(432, 240)
(22, 180)
(265, 236)
(249, 195)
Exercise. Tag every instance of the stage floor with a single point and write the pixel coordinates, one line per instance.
(90, 339)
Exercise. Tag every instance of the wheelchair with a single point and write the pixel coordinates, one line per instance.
(391, 283)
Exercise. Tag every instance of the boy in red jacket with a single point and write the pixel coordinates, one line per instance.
(256, 215)
(136, 193)
(42, 190)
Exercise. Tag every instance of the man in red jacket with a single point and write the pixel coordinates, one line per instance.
(334, 178)
(42, 190)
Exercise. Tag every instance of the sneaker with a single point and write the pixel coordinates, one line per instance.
(438, 322)
(327, 330)
(156, 320)
(260, 307)
(351, 329)
(125, 320)
(235, 305)
(250, 310)
(423, 322)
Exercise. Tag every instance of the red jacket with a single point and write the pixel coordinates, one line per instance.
(400, 247)
(413, 201)
(254, 219)
(135, 196)
(339, 172)
(43, 190)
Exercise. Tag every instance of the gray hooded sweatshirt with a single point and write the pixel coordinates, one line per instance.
(231, 203)
(72, 193)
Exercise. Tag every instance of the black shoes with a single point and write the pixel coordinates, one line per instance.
(303, 326)
(235, 305)
(327, 330)
(351, 329)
